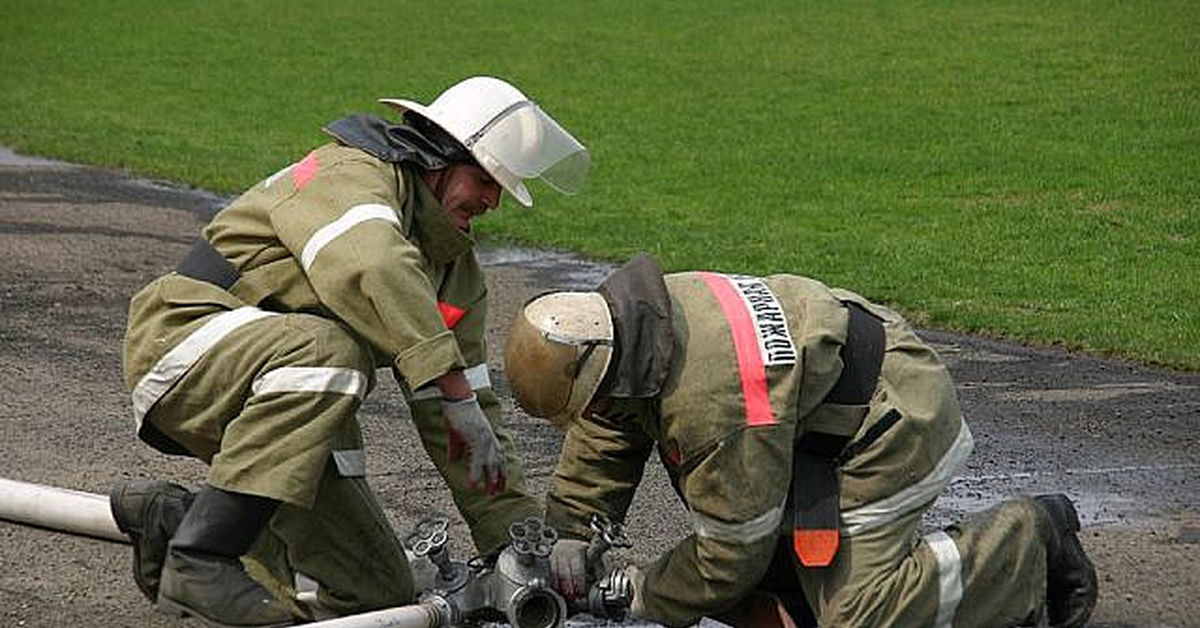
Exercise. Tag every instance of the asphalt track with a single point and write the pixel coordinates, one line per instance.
(76, 242)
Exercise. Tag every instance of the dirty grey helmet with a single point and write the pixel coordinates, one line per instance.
(559, 348)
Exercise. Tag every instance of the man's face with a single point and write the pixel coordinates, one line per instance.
(467, 191)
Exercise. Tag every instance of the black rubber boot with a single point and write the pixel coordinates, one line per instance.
(1071, 584)
(202, 575)
(149, 511)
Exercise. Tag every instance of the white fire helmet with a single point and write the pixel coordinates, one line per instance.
(559, 347)
(508, 134)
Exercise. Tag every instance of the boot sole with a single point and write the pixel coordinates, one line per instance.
(172, 609)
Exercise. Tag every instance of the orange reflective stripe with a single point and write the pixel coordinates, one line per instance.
(815, 548)
(450, 314)
(752, 371)
(304, 170)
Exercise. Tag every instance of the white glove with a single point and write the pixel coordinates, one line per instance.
(637, 584)
(568, 568)
(471, 433)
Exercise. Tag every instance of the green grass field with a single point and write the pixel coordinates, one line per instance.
(1023, 169)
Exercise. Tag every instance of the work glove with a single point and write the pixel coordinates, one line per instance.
(471, 434)
(568, 568)
(614, 595)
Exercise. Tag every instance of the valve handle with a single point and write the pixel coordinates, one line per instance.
(611, 533)
(429, 536)
(606, 535)
(532, 537)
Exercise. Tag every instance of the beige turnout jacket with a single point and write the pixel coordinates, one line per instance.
(343, 235)
(753, 360)
(360, 241)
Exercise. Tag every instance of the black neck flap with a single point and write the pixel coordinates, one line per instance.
(415, 140)
(641, 310)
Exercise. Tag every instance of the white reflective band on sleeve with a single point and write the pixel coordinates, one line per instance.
(950, 586)
(923, 492)
(178, 360)
(318, 379)
(306, 589)
(275, 177)
(743, 533)
(477, 377)
(351, 463)
(355, 215)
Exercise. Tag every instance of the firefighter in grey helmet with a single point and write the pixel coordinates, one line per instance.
(255, 355)
(805, 430)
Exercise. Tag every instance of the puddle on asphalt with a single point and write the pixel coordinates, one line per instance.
(1099, 392)
(956, 352)
(570, 271)
(1102, 496)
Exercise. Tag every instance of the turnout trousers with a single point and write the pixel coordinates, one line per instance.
(986, 571)
(269, 403)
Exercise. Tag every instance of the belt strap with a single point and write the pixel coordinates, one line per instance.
(815, 497)
(205, 263)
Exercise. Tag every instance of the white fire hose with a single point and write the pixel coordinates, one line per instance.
(414, 616)
(59, 509)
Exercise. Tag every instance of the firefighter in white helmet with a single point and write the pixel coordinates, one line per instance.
(806, 430)
(255, 355)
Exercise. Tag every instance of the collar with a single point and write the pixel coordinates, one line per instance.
(396, 143)
(641, 311)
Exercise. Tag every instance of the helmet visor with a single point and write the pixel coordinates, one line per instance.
(529, 144)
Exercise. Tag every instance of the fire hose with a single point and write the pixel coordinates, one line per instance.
(512, 587)
(59, 509)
